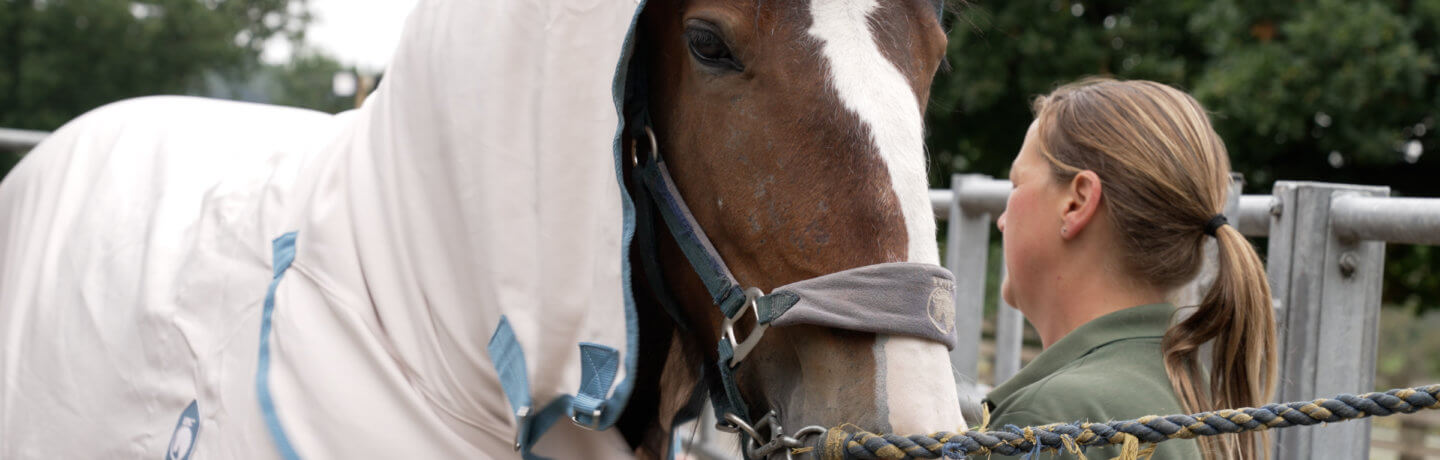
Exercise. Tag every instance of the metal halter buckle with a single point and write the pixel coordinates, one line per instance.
(521, 415)
(777, 439)
(742, 348)
(594, 424)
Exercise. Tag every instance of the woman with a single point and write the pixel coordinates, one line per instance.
(1117, 188)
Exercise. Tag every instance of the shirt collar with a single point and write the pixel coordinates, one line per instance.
(1144, 321)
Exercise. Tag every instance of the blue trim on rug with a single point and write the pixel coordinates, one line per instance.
(283, 255)
(509, 360)
(616, 404)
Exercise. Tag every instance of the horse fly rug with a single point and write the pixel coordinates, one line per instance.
(438, 274)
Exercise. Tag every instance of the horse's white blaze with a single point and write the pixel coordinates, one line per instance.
(920, 389)
(916, 383)
(872, 87)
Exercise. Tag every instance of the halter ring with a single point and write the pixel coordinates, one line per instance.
(654, 148)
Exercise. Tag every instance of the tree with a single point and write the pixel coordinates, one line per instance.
(60, 58)
(306, 82)
(1332, 90)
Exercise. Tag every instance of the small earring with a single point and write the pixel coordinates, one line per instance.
(1064, 230)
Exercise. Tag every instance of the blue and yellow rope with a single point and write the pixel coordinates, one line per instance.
(845, 443)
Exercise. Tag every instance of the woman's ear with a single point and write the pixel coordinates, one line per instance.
(1081, 205)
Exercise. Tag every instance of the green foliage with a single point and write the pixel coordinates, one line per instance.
(1295, 88)
(306, 82)
(60, 58)
(8, 160)
(1407, 345)
(1412, 278)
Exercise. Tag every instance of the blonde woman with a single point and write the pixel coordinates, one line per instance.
(1117, 188)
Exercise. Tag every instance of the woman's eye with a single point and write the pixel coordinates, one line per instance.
(710, 49)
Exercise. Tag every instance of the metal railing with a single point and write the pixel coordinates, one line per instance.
(1325, 261)
(20, 140)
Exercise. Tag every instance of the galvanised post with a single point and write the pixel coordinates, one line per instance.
(1327, 293)
(967, 247)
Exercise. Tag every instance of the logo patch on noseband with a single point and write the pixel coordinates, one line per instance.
(942, 305)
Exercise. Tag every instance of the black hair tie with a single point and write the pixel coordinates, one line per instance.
(1215, 223)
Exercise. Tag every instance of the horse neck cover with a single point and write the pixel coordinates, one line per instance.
(479, 183)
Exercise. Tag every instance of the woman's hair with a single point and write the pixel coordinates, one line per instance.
(1165, 173)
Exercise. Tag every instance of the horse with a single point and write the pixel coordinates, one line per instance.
(795, 132)
(414, 277)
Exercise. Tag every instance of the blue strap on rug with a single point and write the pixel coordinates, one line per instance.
(283, 255)
(601, 364)
(598, 366)
(509, 362)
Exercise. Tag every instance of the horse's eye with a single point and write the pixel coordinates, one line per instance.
(710, 49)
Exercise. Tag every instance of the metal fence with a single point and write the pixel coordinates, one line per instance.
(1326, 259)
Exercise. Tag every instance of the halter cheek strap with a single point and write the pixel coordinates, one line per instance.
(898, 298)
(908, 299)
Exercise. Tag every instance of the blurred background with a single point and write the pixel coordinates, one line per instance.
(61, 58)
(1341, 91)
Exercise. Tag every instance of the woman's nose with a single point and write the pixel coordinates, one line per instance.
(1000, 223)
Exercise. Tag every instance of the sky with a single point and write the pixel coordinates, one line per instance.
(361, 32)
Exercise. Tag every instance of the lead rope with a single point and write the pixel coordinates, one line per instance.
(848, 442)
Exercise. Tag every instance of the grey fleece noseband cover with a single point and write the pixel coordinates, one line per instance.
(904, 298)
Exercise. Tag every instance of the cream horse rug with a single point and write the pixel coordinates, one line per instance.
(233, 280)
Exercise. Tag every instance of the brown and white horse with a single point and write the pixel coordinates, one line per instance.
(794, 130)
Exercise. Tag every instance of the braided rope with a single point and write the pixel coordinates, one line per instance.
(1070, 437)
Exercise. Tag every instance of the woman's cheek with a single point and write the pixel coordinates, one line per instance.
(1024, 253)
(1005, 292)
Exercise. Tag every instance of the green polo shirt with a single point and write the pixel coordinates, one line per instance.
(1107, 369)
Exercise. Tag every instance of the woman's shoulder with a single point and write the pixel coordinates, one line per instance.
(1121, 380)
(1136, 363)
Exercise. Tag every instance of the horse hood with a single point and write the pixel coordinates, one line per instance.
(438, 274)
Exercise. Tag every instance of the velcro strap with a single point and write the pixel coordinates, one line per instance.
(731, 402)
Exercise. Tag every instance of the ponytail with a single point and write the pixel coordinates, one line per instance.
(1166, 174)
(1236, 314)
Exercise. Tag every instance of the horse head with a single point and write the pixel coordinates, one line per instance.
(794, 131)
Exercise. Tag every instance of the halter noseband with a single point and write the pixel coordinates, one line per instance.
(900, 298)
